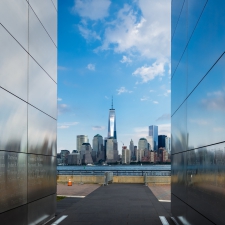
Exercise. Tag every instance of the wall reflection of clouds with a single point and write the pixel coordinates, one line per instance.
(198, 106)
(28, 110)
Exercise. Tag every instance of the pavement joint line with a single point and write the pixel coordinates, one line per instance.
(59, 220)
(72, 196)
(163, 220)
(161, 200)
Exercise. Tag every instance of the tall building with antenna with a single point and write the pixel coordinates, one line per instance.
(112, 123)
(111, 144)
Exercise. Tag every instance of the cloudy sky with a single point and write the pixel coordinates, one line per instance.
(118, 48)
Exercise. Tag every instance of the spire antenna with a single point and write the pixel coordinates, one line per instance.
(112, 102)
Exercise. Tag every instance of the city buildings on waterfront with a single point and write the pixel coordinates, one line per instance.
(198, 141)
(131, 147)
(28, 103)
(162, 141)
(142, 144)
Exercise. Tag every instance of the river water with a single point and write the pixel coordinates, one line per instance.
(132, 170)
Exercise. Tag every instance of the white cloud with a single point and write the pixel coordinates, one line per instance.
(92, 9)
(141, 131)
(98, 128)
(66, 125)
(59, 99)
(62, 68)
(151, 91)
(88, 34)
(164, 129)
(147, 34)
(125, 59)
(63, 108)
(106, 97)
(123, 90)
(91, 66)
(149, 73)
(155, 102)
(144, 98)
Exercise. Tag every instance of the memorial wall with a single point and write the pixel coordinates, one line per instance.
(198, 106)
(28, 111)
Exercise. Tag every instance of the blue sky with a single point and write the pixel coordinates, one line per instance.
(113, 48)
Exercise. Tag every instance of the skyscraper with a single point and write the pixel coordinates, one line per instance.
(28, 105)
(97, 143)
(112, 123)
(153, 132)
(162, 141)
(131, 147)
(80, 140)
(142, 144)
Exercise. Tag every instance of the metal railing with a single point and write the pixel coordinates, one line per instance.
(116, 172)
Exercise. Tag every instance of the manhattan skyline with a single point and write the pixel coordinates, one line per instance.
(102, 52)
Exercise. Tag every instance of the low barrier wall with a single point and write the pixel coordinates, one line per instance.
(100, 179)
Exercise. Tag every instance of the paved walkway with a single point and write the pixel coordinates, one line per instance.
(130, 204)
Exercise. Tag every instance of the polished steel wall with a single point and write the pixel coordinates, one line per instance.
(28, 111)
(198, 106)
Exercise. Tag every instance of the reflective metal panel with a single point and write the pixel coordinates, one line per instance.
(180, 38)
(42, 89)
(46, 12)
(13, 123)
(179, 84)
(13, 64)
(13, 180)
(55, 2)
(209, 32)
(178, 209)
(178, 176)
(41, 210)
(41, 46)
(16, 216)
(41, 176)
(205, 109)
(41, 133)
(14, 17)
(179, 130)
(195, 8)
(206, 181)
(177, 6)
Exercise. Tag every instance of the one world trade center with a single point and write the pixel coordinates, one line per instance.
(112, 123)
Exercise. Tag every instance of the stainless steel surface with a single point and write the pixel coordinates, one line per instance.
(13, 60)
(41, 210)
(55, 2)
(41, 132)
(209, 32)
(179, 36)
(205, 109)
(47, 14)
(24, 83)
(13, 180)
(177, 7)
(14, 17)
(198, 160)
(41, 176)
(13, 123)
(17, 216)
(179, 84)
(41, 46)
(178, 176)
(179, 130)
(42, 89)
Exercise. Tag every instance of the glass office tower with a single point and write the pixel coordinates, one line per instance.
(153, 132)
(28, 111)
(112, 123)
(198, 106)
